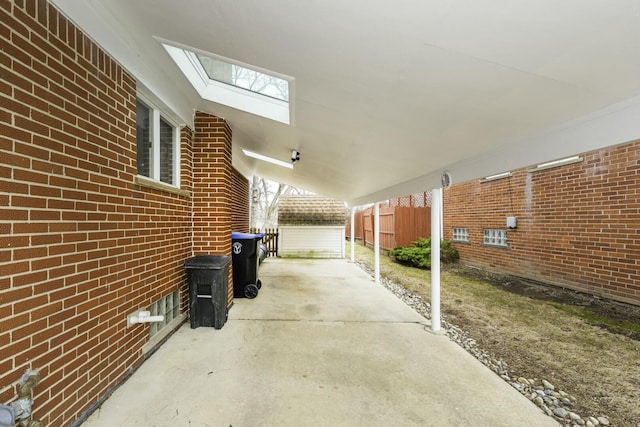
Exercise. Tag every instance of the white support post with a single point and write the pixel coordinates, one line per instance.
(376, 241)
(435, 260)
(441, 213)
(353, 234)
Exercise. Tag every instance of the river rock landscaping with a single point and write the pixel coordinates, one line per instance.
(542, 389)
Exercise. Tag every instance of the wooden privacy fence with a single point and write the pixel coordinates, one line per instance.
(270, 239)
(399, 226)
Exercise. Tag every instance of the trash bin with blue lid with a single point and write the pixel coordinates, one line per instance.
(208, 290)
(245, 255)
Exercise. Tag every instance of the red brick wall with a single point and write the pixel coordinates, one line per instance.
(212, 185)
(186, 183)
(239, 203)
(212, 188)
(578, 225)
(81, 244)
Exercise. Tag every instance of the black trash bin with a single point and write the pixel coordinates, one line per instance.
(208, 289)
(245, 264)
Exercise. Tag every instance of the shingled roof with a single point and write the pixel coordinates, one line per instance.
(311, 210)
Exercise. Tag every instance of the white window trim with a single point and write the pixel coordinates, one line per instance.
(155, 144)
(156, 114)
(176, 149)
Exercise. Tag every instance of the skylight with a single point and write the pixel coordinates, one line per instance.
(245, 78)
(235, 85)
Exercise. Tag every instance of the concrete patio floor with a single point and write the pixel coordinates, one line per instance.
(321, 345)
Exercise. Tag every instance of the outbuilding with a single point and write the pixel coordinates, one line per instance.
(311, 226)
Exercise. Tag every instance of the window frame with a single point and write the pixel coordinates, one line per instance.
(155, 115)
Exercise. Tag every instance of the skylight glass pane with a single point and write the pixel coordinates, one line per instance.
(245, 78)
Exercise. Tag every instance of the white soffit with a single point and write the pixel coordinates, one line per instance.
(388, 96)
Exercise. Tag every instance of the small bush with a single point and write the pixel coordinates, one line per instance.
(419, 253)
(447, 252)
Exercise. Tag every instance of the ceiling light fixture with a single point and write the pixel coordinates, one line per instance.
(496, 176)
(267, 159)
(556, 163)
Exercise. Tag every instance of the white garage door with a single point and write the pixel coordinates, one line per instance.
(311, 241)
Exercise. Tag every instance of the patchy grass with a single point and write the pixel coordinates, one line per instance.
(586, 346)
(623, 327)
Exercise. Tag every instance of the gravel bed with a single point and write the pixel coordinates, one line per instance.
(553, 402)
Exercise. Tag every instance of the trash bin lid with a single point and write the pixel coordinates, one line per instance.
(208, 262)
(247, 236)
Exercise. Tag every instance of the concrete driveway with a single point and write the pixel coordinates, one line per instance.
(321, 345)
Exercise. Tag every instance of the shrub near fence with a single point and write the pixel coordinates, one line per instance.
(419, 253)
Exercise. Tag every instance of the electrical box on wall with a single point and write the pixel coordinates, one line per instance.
(512, 222)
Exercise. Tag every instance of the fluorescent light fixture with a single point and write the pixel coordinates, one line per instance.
(556, 163)
(496, 176)
(267, 159)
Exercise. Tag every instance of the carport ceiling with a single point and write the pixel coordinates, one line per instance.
(387, 95)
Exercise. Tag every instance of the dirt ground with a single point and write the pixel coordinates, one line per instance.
(613, 311)
(586, 346)
(583, 344)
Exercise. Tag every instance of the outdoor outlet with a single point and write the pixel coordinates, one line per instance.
(512, 222)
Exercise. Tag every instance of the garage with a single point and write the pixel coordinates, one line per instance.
(311, 227)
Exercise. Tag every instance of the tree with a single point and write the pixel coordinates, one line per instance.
(265, 195)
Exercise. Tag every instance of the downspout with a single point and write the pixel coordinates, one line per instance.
(435, 259)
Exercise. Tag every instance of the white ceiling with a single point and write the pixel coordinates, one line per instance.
(388, 95)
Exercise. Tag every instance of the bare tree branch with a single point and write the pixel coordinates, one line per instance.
(265, 197)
